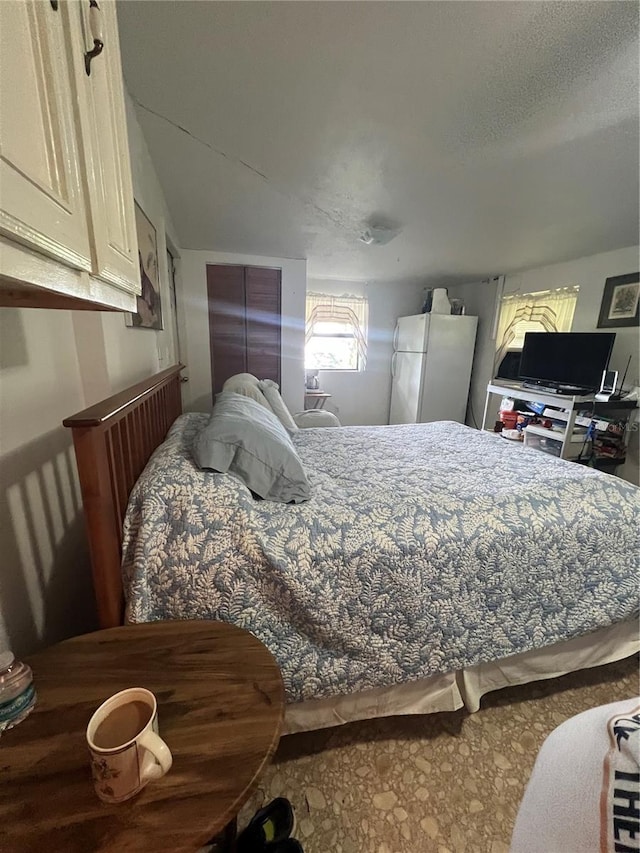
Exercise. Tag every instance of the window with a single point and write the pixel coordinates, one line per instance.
(544, 311)
(336, 332)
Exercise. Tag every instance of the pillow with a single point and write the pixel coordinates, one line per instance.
(279, 408)
(244, 378)
(247, 385)
(245, 439)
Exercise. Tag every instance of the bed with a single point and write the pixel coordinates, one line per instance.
(433, 563)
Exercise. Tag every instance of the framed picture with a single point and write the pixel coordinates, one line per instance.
(620, 301)
(149, 313)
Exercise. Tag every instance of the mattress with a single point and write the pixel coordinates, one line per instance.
(424, 550)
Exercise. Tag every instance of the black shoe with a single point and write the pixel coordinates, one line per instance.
(290, 845)
(270, 826)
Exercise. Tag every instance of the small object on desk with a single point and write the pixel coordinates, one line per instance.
(607, 386)
(512, 434)
(522, 421)
(509, 419)
(125, 748)
(536, 407)
(311, 381)
(17, 693)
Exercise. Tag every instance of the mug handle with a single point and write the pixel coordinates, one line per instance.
(158, 750)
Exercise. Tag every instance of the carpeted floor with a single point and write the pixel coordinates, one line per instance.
(444, 783)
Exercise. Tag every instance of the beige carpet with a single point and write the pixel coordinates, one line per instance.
(444, 783)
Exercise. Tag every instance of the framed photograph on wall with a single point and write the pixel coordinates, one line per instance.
(149, 313)
(620, 302)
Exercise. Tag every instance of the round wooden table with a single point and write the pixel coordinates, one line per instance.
(220, 710)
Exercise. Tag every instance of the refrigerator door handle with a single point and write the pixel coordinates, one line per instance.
(393, 364)
(396, 332)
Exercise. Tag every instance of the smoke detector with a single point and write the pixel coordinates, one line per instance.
(377, 236)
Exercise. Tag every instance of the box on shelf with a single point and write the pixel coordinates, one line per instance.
(546, 440)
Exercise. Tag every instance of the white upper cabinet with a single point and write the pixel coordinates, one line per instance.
(104, 132)
(42, 201)
(65, 175)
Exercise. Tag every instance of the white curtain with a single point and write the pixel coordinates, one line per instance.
(350, 311)
(544, 311)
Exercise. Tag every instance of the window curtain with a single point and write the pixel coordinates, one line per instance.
(544, 311)
(350, 311)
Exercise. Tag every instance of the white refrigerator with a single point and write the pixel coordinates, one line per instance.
(431, 368)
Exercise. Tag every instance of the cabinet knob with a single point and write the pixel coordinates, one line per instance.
(95, 25)
(54, 5)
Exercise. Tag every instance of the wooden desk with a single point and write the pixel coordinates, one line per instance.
(318, 398)
(220, 709)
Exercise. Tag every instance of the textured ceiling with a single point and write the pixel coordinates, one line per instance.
(496, 135)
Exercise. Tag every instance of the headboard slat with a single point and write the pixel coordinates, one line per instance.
(127, 468)
(113, 441)
(114, 475)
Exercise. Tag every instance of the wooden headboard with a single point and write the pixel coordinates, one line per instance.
(113, 441)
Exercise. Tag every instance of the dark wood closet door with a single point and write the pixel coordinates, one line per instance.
(244, 322)
(262, 300)
(227, 327)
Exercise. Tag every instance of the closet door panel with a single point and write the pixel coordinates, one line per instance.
(227, 328)
(264, 333)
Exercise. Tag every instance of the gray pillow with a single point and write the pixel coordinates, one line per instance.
(269, 389)
(246, 439)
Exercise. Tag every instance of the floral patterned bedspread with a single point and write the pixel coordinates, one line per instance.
(424, 549)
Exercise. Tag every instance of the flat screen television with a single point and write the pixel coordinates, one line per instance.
(571, 360)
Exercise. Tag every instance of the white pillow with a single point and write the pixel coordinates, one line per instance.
(249, 386)
(270, 390)
(243, 378)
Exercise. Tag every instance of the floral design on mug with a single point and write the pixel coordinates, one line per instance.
(101, 771)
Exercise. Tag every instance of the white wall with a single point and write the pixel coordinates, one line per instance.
(194, 323)
(52, 364)
(363, 397)
(590, 274)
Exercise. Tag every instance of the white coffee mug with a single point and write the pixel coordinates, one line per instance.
(127, 752)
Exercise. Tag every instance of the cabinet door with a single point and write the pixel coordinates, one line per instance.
(42, 196)
(101, 113)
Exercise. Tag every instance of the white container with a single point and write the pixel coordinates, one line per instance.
(440, 303)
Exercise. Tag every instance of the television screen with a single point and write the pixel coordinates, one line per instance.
(572, 359)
